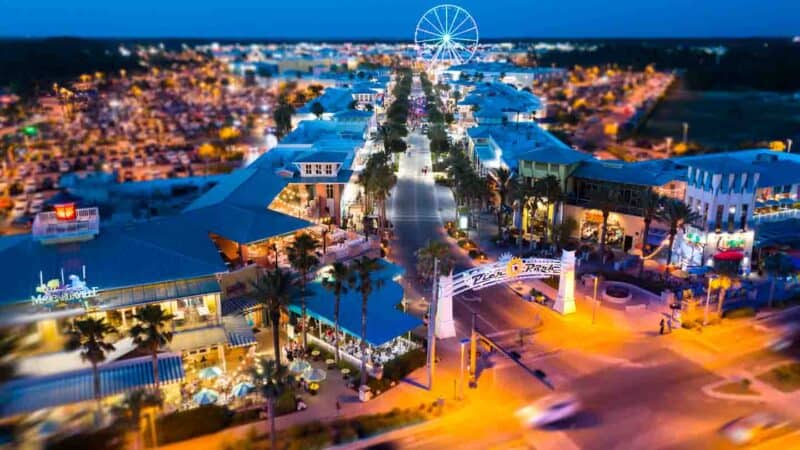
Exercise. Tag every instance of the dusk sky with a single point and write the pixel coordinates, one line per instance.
(397, 18)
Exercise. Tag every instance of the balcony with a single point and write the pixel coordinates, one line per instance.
(776, 215)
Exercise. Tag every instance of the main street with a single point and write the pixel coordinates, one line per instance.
(637, 393)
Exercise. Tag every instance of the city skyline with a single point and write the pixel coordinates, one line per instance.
(352, 19)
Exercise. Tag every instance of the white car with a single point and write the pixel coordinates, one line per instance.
(19, 210)
(549, 409)
(757, 427)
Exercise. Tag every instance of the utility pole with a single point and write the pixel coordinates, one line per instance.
(432, 324)
(594, 298)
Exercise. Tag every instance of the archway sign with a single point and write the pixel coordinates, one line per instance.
(504, 271)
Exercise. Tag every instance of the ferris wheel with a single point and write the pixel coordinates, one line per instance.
(446, 34)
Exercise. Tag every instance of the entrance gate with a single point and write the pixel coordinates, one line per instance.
(503, 271)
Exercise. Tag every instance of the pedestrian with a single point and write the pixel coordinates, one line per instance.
(338, 408)
(661, 331)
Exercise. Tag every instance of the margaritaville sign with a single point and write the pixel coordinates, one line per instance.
(71, 289)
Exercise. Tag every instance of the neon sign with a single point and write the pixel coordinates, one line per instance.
(56, 291)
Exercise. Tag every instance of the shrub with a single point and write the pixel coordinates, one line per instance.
(400, 367)
(182, 425)
(474, 253)
(109, 438)
(286, 403)
(245, 416)
(739, 313)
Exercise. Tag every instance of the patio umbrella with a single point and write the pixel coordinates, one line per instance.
(209, 373)
(315, 375)
(241, 389)
(299, 366)
(206, 397)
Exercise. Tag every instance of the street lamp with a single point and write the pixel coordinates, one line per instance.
(711, 279)
(685, 132)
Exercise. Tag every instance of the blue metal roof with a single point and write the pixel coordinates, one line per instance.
(384, 321)
(244, 225)
(322, 157)
(655, 172)
(247, 187)
(34, 393)
(120, 256)
(332, 100)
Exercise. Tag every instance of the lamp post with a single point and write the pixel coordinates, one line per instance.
(685, 132)
(463, 343)
(595, 278)
(788, 146)
(711, 279)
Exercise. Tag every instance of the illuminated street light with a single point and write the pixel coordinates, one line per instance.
(711, 279)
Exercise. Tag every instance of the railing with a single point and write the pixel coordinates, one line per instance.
(46, 225)
(776, 216)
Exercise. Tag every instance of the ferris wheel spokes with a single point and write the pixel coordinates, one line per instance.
(446, 33)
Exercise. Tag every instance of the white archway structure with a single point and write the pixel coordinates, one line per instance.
(504, 271)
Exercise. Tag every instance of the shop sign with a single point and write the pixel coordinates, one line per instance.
(501, 271)
(56, 291)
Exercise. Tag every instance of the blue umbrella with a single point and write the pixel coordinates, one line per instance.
(209, 373)
(299, 366)
(241, 389)
(206, 397)
(315, 375)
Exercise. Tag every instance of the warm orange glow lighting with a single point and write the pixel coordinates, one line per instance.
(65, 211)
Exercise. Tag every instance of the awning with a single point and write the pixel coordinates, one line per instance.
(34, 393)
(237, 305)
(384, 321)
(198, 338)
(238, 332)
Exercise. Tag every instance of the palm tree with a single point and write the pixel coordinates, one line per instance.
(550, 193)
(338, 281)
(528, 197)
(384, 135)
(377, 179)
(503, 186)
(676, 214)
(269, 378)
(89, 335)
(432, 251)
(152, 333)
(649, 202)
(364, 268)
(274, 290)
(302, 258)
(776, 265)
(604, 198)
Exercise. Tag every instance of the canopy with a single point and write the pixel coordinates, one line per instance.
(209, 372)
(206, 397)
(315, 375)
(384, 321)
(241, 389)
(299, 366)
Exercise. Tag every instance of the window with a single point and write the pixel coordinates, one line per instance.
(329, 193)
(705, 215)
(743, 220)
(328, 169)
(317, 169)
(718, 218)
(306, 169)
(731, 218)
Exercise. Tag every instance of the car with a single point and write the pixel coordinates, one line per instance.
(754, 428)
(19, 210)
(549, 409)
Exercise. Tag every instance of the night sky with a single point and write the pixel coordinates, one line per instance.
(397, 18)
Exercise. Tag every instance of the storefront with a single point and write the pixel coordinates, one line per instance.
(698, 248)
(591, 228)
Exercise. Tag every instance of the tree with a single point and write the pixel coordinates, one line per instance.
(132, 406)
(317, 109)
(364, 268)
(151, 333)
(675, 213)
(432, 251)
(649, 202)
(503, 187)
(338, 281)
(282, 115)
(549, 192)
(302, 258)
(269, 377)
(604, 198)
(726, 271)
(275, 290)
(377, 179)
(776, 265)
(89, 335)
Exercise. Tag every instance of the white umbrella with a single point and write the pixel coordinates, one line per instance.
(206, 397)
(315, 375)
